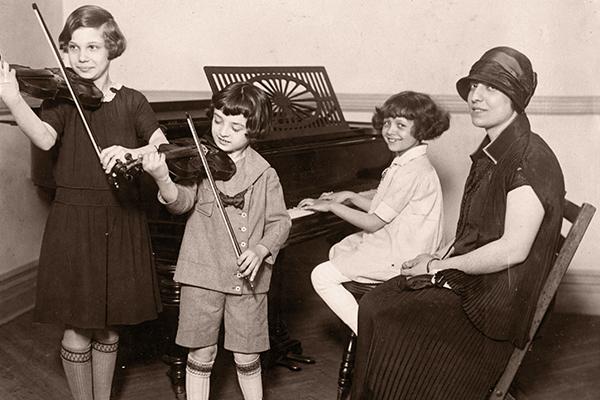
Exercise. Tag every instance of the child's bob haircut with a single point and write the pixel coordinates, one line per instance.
(94, 17)
(248, 100)
(430, 120)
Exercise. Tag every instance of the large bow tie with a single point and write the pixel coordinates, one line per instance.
(237, 200)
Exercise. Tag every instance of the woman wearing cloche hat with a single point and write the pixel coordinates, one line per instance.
(447, 327)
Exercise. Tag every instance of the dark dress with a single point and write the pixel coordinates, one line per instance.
(96, 267)
(434, 343)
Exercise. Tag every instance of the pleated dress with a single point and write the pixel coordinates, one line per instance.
(96, 267)
(437, 353)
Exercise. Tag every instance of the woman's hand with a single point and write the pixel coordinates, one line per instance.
(250, 261)
(9, 86)
(110, 155)
(316, 205)
(155, 165)
(418, 265)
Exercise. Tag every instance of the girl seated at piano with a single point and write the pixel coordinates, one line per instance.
(95, 268)
(404, 217)
(217, 287)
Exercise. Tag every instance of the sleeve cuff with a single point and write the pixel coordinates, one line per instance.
(162, 201)
(385, 212)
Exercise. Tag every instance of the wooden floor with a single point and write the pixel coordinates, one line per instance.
(564, 364)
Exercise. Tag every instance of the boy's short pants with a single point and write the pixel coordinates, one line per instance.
(245, 320)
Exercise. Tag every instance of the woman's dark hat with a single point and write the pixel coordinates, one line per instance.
(506, 69)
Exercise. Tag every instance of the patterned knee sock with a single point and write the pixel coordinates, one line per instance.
(104, 357)
(78, 370)
(250, 380)
(197, 379)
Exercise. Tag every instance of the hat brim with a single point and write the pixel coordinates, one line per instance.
(463, 85)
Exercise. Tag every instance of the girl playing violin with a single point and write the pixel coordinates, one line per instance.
(214, 288)
(95, 268)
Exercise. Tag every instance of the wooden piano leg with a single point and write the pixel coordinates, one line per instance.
(284, 351)
(174, 355)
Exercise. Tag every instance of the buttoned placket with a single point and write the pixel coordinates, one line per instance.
(239, 222)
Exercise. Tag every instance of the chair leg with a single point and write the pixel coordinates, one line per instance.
(346, 369)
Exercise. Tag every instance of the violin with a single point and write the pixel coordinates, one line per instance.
(183, 162)
(49, 83)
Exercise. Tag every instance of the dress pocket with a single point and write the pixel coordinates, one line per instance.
(205, 203)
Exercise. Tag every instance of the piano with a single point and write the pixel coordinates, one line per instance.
(313, 149)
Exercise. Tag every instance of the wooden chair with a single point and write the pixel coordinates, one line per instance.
(347, 365)
(580, 218)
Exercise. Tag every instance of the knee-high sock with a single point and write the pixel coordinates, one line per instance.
(327, 281)
(104, 357)
(250, 379)
(78, 370)
(197, 379)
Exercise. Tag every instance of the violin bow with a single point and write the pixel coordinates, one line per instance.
(213, 187)
(62, 68)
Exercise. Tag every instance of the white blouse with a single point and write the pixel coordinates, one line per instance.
(409, 200)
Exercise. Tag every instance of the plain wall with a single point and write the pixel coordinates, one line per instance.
(22, 211)
(367, 46)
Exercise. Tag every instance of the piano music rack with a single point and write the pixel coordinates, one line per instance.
(303, 99)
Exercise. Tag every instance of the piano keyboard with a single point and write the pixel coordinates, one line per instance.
(296, 212)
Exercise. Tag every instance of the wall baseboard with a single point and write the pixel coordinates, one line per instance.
(17, 291)
(579, 292)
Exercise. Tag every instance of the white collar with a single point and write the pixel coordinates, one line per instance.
(410, 154)
(111, 92)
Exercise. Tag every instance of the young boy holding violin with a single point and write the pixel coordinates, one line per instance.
(217, 285)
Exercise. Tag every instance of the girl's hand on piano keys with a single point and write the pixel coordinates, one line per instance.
(304, 203)
(344, 196)
(316, 205)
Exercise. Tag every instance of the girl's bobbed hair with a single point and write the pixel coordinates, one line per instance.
(430, 120)
(94, 17)
(248, 100)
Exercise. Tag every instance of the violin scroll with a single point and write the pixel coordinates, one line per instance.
(124, 171)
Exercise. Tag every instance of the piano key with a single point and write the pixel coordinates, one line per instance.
(296, 212)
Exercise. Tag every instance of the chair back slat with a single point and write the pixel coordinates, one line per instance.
(567, 251)
(580, 218)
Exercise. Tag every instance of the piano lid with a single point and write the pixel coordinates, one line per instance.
(304, 103)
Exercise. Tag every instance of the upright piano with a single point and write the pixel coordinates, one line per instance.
(313, 149)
